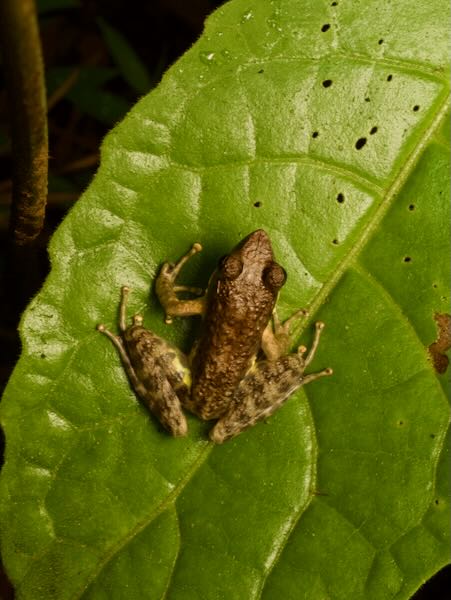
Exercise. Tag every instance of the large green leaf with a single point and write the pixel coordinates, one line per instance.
(344, 493)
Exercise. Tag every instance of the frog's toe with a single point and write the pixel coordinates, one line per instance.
(217, 435)
(180, 430)
(224, 430)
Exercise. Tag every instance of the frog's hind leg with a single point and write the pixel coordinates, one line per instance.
(117, 339)
(119, 344)
(158, 376)
(122, 318)
(155, 389)
(259, 395)
(265, 388)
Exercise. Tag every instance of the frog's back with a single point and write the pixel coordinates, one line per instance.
(240, 304)
(224, 354)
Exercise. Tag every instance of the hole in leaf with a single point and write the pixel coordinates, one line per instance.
(327, 83)
(360, 143)
(416, 108)
(411, 206)
(257, 204)
(261, 71)
(400, 423)
(436, 501)
(335, 241)
(381, 41)
(390, 77)
(325, 27)
(334, 4)
(373, 130)
(435, 286)
(432, 435)
(367, 99)
(407, 259)
(315, 134)
(340, 198)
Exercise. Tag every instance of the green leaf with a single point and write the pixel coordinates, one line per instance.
(344, 493)
(130, 65)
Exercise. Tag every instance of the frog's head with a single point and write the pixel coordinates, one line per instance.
(251, 264)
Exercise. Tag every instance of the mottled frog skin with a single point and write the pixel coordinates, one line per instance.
(221, 379)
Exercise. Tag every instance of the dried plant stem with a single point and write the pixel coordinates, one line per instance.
(23, 67)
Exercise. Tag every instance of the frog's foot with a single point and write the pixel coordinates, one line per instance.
(277, 338)
(123, 308)
(167, 289)
(319, 326)
(116, 339)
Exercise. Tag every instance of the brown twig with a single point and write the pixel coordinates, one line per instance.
(24, 77)
(53, 199)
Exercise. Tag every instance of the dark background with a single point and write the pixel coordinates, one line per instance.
(81, 111)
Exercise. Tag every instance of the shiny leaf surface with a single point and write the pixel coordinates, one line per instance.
(326, 125)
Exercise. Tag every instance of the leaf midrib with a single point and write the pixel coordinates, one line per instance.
(166, 503)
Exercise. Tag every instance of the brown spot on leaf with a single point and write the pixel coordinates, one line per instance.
(438, 348)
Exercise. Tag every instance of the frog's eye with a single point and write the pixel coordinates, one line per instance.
(274, 276)
(231, 267)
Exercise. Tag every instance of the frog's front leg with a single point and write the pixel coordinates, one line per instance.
(157, 372)
(265, 388)
(167, 289)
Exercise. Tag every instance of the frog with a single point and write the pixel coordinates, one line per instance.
(240, 370)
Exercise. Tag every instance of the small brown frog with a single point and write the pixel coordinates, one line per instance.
(221, 379)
